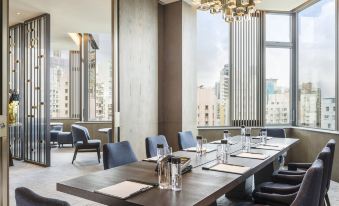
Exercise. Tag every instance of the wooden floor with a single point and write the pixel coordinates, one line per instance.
(43, 180)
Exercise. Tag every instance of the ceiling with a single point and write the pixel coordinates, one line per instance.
(88, 16)
(271, 5)
(76, 16)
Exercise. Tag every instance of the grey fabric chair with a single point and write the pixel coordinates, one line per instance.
(110, 136)
(308, 194)
(26, 197)
(54, 132)
(117, 154)
(275, 132)
(331, 144)
(65, 138)
(288, 184)
(186, 140)
(83, 141)
(151, 144)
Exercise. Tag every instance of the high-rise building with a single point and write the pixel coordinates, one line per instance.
(277, 108)
(309, 106)
(207, 107)
(59, 87)
(328, 113)
(224, 96)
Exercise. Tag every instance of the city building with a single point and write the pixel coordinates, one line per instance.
(207, 107)
(328, 113)
(309, 106)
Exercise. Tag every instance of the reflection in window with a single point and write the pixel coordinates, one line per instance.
(316, 65)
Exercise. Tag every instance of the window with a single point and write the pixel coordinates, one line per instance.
(316, 65)
(100, 77)
(213, 71)
(278, 27)
(59, 77)
(278, 66)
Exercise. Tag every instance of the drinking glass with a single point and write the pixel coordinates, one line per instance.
(204, 146)
(264, 136)
(219, 153)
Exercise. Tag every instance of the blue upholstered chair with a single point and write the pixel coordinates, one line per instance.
(151, 144)
(26, 197)
(83, 141)
(110, 135)
(186, 140)
(288, 184)
(54, 132)
(308, 194)
(117, 154)
(275, 132)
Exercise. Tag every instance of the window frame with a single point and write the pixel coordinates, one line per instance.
(282, 45)
(295, 111)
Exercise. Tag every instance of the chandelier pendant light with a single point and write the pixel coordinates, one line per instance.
(232, 10)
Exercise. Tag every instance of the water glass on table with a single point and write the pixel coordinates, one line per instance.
(263, 135)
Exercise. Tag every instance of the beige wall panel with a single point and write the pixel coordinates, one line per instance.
(138, 59)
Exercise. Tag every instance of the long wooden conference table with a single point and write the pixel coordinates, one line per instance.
(199, 187)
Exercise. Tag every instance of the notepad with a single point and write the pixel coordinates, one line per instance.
(151, 159)
(270, 147)
(125, 189)
(251, 155)
(194, 149)
(236, 169)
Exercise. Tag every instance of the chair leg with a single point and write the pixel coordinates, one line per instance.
(327, 200)
(75, 154)
(98, 152)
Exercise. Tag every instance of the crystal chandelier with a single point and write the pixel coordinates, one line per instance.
(232, 10)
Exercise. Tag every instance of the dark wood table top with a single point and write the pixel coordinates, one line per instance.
(200, 187)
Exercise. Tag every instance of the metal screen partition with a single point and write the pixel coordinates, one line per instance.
(15, 75)
(36, 109)
(247, 73)
(75, 83)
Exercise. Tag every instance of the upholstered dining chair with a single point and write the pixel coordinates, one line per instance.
(288, 184)
(26, 197)
(151, 144)
(84, 142)
(186, 140)
(117, 154)
(307, 195)
(275, 132)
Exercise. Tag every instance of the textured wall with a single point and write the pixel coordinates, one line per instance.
(189, 73)
(177, 72)
(138, 66)
(170, 94)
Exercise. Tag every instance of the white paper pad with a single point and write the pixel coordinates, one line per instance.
(252, 155)
(270, 147)
(194, 149)
(151, 159)
(124, 189)
(230, 168)
(219, 142)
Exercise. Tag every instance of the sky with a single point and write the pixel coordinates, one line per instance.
(316, 48)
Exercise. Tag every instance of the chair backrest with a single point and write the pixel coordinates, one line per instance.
(151, 144)
(57, 128)
(309, 192)
(117, 154)
(110, 135)
(331, 145)
(273, 132)
(325, 156)
(26, 197)
(80, 133)
(186, 140)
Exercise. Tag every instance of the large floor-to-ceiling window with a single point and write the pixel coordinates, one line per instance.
(278, 64)
(316, 65)
(213, 70)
